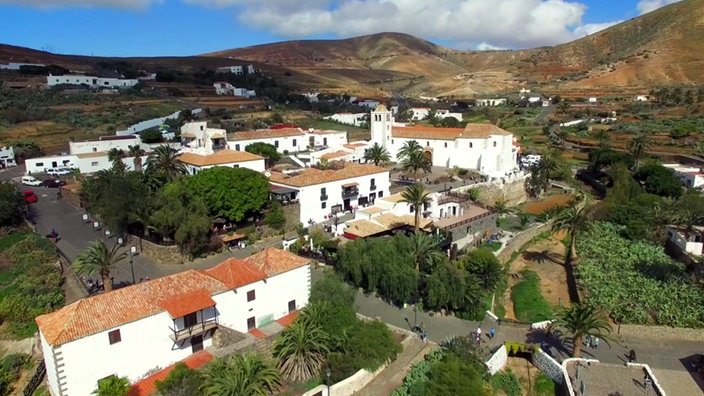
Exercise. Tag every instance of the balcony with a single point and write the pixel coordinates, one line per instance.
(372, 187)
(190, 331)
(324, 197)
(350, 192)
(454, 197)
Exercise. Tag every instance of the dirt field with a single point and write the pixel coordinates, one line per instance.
(549, 202)
(545, 258)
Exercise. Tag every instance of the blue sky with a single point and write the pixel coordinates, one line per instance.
(190, 27)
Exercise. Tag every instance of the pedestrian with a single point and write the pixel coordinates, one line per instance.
(588, 341)
(632, 356)
(595, 344)
(491, 333)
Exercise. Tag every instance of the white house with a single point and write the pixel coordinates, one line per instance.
(224, 88)
(238, 70)
(482, 147)
(642, 98)
(348, 152)
(105, 143)
(690, 177)
(325, 192)
(356, 119)
(18, 66)
(592, 99)
(203, 148)
(288, 140)
(7, 156)
(421, 113)
(91, 81)
(693, 245)
(135, 330)
(490, 102)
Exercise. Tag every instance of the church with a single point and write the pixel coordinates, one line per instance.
(485, 148)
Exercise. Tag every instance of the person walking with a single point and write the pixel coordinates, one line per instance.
(595, 343)
(588, 341)
(632, 356)
(491, 334)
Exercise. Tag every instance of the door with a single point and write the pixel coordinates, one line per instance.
(346, 204)
(291, 306)
(190, 320)
(197, 343)
(251, 323)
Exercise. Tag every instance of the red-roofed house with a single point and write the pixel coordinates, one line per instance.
(137, 330)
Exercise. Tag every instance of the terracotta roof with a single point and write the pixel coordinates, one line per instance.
(218, 158)
(217, 135)
(109, 310)
(147, 386)
(350, 184)
(381, 107)
(325, 132)
(288, 319)
(183, 304)
(257, 333)
(335, 154)
(471, 131)
(371, 210)
(312, 176)
(236, 273)
(394, 198)
(274, 261)
(188, 135)
(267, 133)
(364, 228)
(353, 145)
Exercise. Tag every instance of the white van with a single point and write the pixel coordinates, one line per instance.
(31, 181)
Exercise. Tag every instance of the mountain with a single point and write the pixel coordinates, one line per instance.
(665, 46)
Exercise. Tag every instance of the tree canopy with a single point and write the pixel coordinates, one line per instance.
(230, 193)
(659, 180)
(11, 204)
(266, 150)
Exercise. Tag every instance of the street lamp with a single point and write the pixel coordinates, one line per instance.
(327, 374)
(133, 252)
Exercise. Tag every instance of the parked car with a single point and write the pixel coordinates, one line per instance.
(29, 196)
(58, 171)
(53, 183)
(31, 181)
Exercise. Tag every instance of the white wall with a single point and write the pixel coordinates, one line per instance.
(490, 102)
(91, 81)
(291, 144)
(154, 122)
(93, 146)
(255, 165)
(355, 119)
(40, 164)
(327, 139)
(50, 364)
(7, 156)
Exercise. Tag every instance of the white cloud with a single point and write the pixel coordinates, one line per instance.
(645, 6)
(484, 46)
(124, 4)
(591, 28)
(487, 24)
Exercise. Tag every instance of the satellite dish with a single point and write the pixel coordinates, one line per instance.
(267, 174)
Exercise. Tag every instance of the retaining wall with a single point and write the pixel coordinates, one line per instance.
(160, 254)
(520, 239)
(549, 366)
(498, 360)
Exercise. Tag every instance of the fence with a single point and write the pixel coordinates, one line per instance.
(36, 379)
(65, 263)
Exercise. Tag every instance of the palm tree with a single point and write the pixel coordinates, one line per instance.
(602, 136)
(474, 194)
(301, 349)
(547, 168)
(425, 250)
(563, 107)
(112, 386)
(98, 258)
(241, 375)
(563, 134)
(580, 320)
(416, 161)
(574, 222)
(377, 154)
(637, 146)
(408, 149)
(137, 152)
(416, 196)
(115, 155)
(501, 206)
(164, 162)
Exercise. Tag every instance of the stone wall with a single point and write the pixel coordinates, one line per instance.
(476, 228)
(512, 190)
(293, 215)
(160, 254)
(498, 360)
(549, 366)
(520, 239)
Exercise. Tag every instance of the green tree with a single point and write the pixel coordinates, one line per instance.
(164, 162)
(11, 204)
(97, 258)
(115, 156)
(181, 381)
(276, 217)
(151, 136)
(445, 288)
(231, 193)
(484, 266)
(416, 161)
(603, 136)
(301, 349)
(416, 196)
(454, 376)
(425, 251)
(182, 215)
(372, 344)
(638, 145)
(268, 151)
(562, 134)
(240, 375)
(408, 149)
(659, 180)
(333, 289)
(112, 386)
(474, 194)
(115, 197)
(563, 107)
(602, 158)
(624, 188)
(377, 154)
(574, 221)
(580, 320)
(501, 206)
(137, 152)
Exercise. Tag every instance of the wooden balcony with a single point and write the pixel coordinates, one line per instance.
(198, 328)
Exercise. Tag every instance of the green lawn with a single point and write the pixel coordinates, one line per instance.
(529, 305)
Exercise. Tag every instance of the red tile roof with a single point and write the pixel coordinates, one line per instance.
(236, 273)
(274, 261)
(312, 176)
(257, 333)
(471, 131)
(183, 304)
(288, 319)
(147, 386)
(268, 133)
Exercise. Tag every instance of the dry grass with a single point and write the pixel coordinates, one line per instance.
(547, 203)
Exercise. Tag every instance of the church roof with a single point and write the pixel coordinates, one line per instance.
(471, 131)
(381, 107)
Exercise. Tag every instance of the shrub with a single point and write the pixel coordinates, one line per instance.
(508, 382)
(181, 381)
(528, 302)
(10, 368)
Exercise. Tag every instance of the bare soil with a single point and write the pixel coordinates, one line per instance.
(526, 373)
(547, 203)
(546, 258)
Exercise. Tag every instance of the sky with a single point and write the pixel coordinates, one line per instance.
(191, 27)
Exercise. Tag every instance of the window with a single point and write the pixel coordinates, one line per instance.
(276, 143)
(251, 295)
(392, 141)
(94, 163)
(445, 144)
(470, 145)
(323, 205)
(40, 164)
(494, 144)
(95, 149)
(427, 143)
(237, 147)
(381, 194)
(294, 143)
(114, 336)
(325, 141)
(190, 320)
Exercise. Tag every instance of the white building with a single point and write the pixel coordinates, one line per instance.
(482, 147)
(690, 177)
(288, 140)
(592, 99)
(18, 66)
(693, 245)
(238, 70)
(225, 88)
(421, 113)
(356, 119)
(368, 103)
(133, 331)
(203, 148)
(490, 102)
(349, 152)
(642, 98)
(7, 157)
(325, 192)
(105, 143)
(91, 81)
